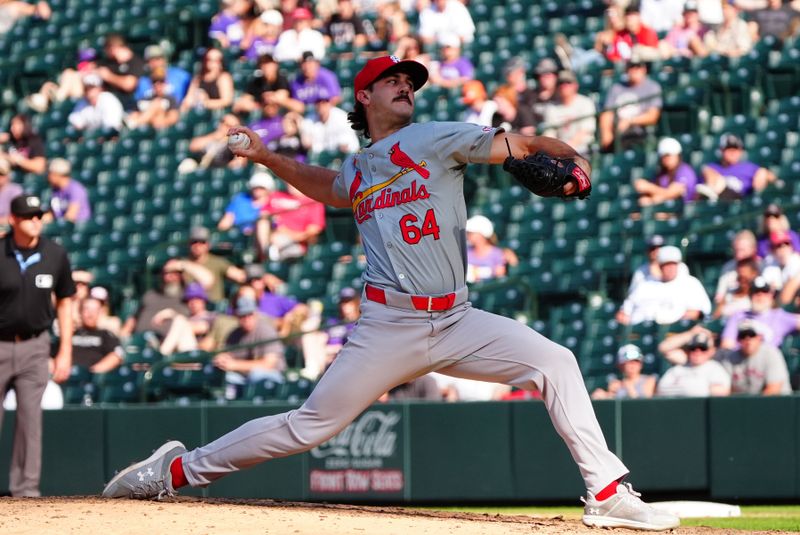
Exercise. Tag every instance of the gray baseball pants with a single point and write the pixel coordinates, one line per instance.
(23, 366)
(391, 346)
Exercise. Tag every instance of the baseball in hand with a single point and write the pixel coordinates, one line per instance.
(238, 141)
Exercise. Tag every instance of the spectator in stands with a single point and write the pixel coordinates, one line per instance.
(160, 109)
(508, 114)
(297, 221)
(605, 42)
(630, 107)
(756, 367)
(515, 75)
(633, 384)
(675, 179)
(777, 19)
(98, 109)
(92, 346)
(284, 311)
(69, 85)
(266, 32)
(226, 27)
(245, 207)
(24, 148)
(452, 69)
(120, 70)
(571, 118)
(212, 87)
(218, 267)
(211, 150)
(444, 17)
(107, 320)
(270, 126)
(69, 200)
(783, 262)
(388, 28)
(732, 38)
(650, 270)
(675, 297)
(8, 190)
(774, 220)
(82, 280)
(345, 28)
(185, 331)
(412, 47)
(290, 142)
(480, 110)
(177, 80)
(701, 376)
(167, 296)
(300, 38)
(634, 40)
(13, 10)
(314, 82)
(485, 260)
(328, 130)
(268, 84)
(546, 73)
(661, 15)
(744, 248)
(685, 38)
(776, 323)
(737, 298)
(263, 356)
(733, 178)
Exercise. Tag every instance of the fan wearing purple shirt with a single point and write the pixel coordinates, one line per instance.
(315, 82)
(733, 178)
(675, 179)
(453, 69)
(270, 127)
(70, 200)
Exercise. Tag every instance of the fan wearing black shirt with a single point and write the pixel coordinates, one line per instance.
(268, 84)
(92, 347)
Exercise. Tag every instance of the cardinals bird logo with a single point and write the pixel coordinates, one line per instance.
(401, 159)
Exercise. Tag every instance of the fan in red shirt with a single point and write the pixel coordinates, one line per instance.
(297, 220)
(635, 36)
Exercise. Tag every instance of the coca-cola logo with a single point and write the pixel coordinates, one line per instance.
(370, 436)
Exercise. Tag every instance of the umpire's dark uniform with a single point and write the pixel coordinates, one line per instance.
(29, 277)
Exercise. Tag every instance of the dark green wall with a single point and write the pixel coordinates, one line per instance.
(729, 448)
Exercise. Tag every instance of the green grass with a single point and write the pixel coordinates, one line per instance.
(754, 517)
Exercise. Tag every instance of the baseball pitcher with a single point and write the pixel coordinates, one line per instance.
(406, 192)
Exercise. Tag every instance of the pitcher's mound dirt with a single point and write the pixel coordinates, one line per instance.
(197, 516)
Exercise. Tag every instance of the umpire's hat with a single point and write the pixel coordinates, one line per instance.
(27, 205)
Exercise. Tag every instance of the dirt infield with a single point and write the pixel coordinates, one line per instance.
(197, 516)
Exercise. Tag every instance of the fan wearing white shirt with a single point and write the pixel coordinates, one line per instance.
(668, 300)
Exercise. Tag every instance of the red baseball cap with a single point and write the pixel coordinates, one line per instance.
(377, 67)
(778, 237)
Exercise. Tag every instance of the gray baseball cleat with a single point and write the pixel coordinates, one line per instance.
(147, 479)
(625, 510)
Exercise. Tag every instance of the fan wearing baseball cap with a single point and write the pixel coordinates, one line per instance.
(674, 179)
(774, 220)
(673, 297)
(633, 383)
(733, 177)
(756, 367)
(406, 191)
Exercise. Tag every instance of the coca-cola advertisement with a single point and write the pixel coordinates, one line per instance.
(365, 459)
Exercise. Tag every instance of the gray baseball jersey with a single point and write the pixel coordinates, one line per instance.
(408, 201)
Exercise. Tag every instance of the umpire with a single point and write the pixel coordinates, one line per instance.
(32, 270)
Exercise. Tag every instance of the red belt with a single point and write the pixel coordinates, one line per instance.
(419, 302)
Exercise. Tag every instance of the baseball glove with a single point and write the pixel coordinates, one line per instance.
(546, 176)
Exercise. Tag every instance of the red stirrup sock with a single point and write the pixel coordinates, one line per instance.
(178, 477)
(609, 491)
